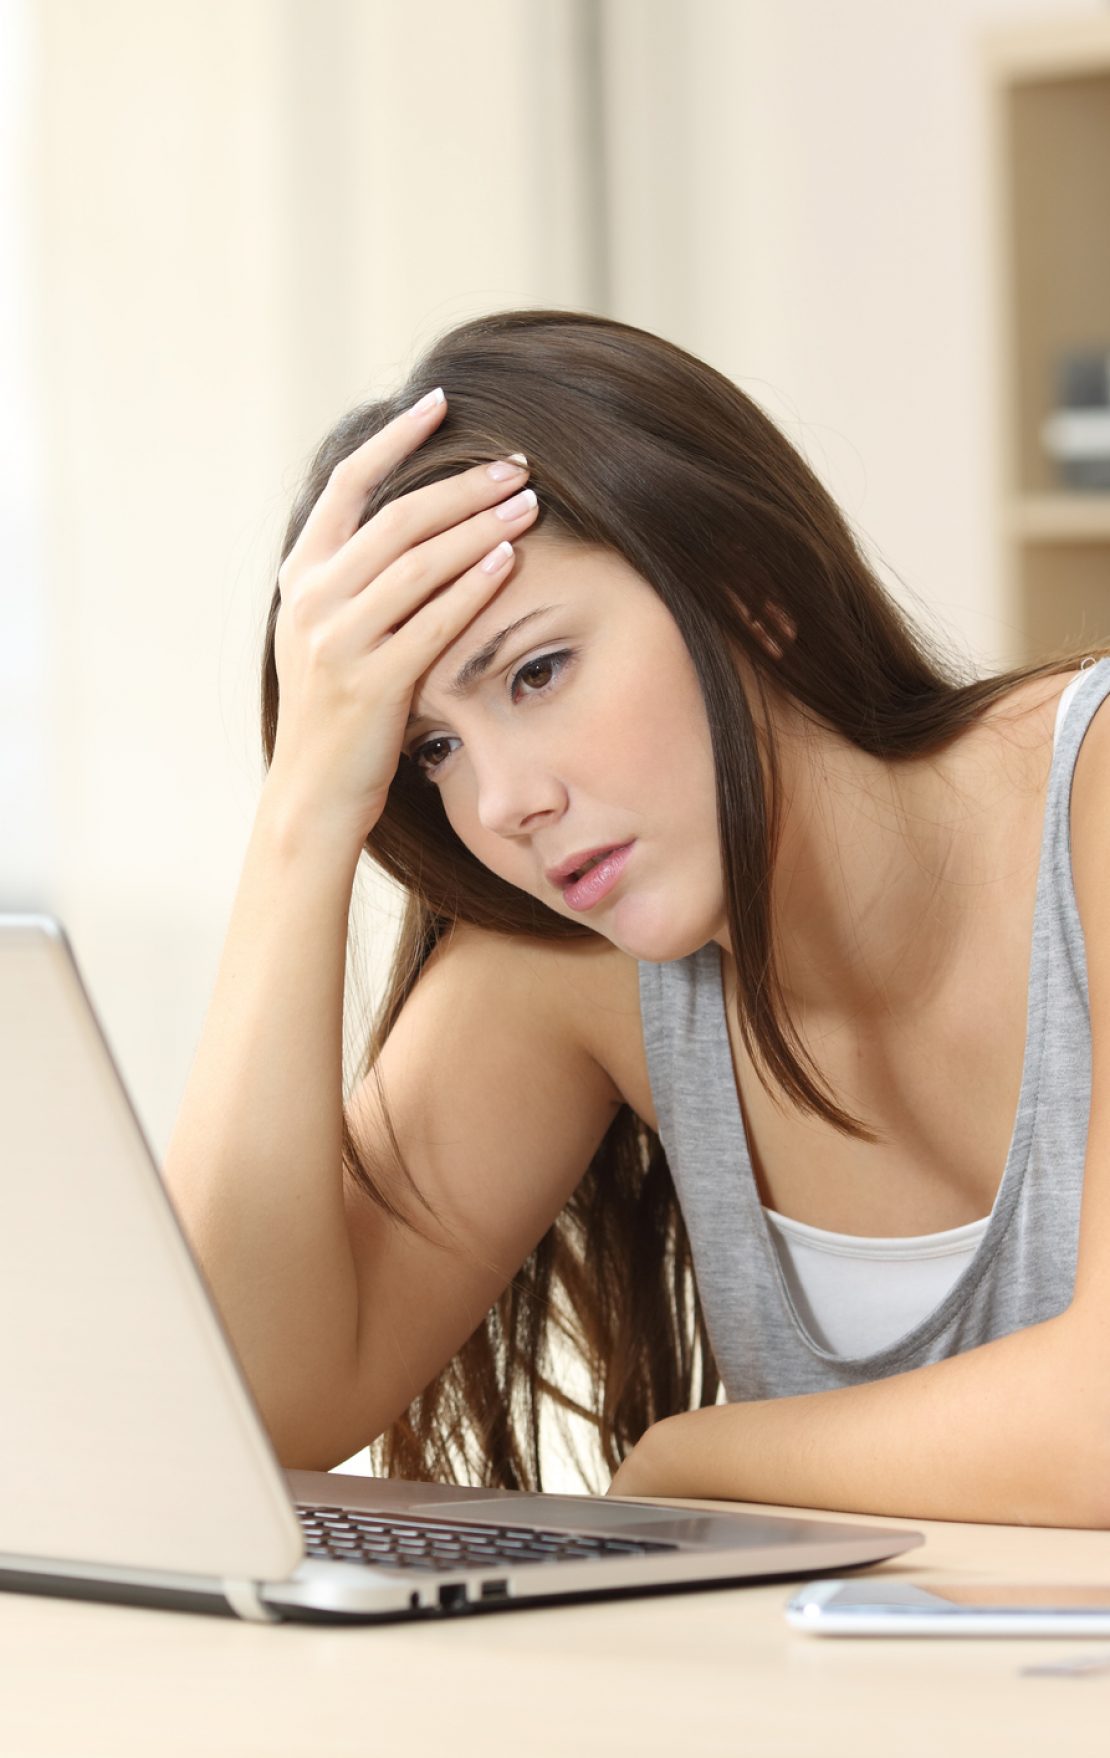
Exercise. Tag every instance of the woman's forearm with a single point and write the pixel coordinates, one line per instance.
(254, 1163)
(1016, 1431)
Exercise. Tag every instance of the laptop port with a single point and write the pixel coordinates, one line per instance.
(495, 1590)
(452, 1596)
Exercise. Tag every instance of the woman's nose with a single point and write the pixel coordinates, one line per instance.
(513, 796)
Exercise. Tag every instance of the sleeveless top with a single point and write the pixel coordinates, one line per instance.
(1021, 1267)
(853, 1293)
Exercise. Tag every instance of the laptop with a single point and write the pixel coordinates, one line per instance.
(136, 1467)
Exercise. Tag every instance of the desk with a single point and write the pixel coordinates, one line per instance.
(695, 1673)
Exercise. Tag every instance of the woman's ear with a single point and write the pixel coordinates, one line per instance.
(784, 626)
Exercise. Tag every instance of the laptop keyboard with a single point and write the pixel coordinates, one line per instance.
(347, 1535)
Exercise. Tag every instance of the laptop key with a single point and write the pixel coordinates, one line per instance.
(385, 1542)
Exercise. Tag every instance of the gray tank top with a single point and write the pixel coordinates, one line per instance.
(1024, 1269)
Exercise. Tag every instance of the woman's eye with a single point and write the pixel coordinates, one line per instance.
(537, 674)
(425, 759)
(533, 678)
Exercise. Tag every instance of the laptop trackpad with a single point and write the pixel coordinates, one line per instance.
(684, 1526)
(558, 1511)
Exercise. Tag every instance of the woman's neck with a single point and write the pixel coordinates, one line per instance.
(884, 869)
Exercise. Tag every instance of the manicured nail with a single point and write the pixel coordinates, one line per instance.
(497, 558)
(431, 401)
(519, 505)
(502, 471)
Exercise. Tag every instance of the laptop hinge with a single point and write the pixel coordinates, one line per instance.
(246, 1602)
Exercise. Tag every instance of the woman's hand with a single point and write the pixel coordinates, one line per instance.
(365, 611)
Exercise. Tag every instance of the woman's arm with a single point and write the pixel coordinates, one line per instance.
(1014, 1431)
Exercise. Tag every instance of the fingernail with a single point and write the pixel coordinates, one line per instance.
(502, 470)
(429, 402)
(520, 504)
(497, 558)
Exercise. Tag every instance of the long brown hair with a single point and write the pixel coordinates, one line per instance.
(636, 445)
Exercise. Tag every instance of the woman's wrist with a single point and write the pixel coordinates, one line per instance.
(300, 828)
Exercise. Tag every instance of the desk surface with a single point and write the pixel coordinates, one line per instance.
(707, 1672)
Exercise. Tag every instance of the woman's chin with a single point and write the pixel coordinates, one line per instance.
(647, 930)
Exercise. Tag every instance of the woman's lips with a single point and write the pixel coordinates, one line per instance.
(582, 894)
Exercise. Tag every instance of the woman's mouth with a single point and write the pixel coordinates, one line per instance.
(595, 878)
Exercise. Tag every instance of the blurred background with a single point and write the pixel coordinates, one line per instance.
(223, 222)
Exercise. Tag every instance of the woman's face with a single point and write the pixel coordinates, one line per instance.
(587, 731)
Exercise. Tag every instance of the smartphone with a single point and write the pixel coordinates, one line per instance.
(879, 1607)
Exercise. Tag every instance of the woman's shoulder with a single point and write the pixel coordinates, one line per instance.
(591, 986)
(1029, 706)
(1026, 717)
(1090, 817)
(1008, 748)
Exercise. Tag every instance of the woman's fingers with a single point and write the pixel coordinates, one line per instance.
(419, 574)
(408, 526)
(419, 642)
(367, 609)
(398, 659)
(337, 511)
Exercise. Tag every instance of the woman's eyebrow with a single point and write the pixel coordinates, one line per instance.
(479, 663)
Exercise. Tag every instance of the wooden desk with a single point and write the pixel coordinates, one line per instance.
(699, 1674)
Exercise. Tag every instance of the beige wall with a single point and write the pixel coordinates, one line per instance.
(246, 217)
(243, 215)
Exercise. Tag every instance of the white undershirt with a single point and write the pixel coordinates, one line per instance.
(857, 1295)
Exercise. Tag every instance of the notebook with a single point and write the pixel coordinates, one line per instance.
(136, 1467)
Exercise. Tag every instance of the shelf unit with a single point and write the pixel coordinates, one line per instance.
(1048, 96)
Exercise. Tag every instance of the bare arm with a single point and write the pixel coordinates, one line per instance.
(253, 1163)
(1010, 1431)
(499, 1105)
(338, 1318)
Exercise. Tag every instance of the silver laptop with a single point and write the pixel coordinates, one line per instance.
(135, 1465)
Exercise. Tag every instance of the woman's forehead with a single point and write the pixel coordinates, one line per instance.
(542, 560)
(547, 575)
(548, 572)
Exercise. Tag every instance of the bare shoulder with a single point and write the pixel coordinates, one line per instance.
(1090, 861)
(587, 985)
(1090, 815)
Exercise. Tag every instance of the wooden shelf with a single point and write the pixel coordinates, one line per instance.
(1048, 91)
(1059, 518)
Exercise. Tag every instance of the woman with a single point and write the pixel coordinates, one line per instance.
(713, 1046)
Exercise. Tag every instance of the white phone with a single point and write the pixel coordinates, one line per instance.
(876, 1606)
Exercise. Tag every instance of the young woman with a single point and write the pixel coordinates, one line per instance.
(749, 1031)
